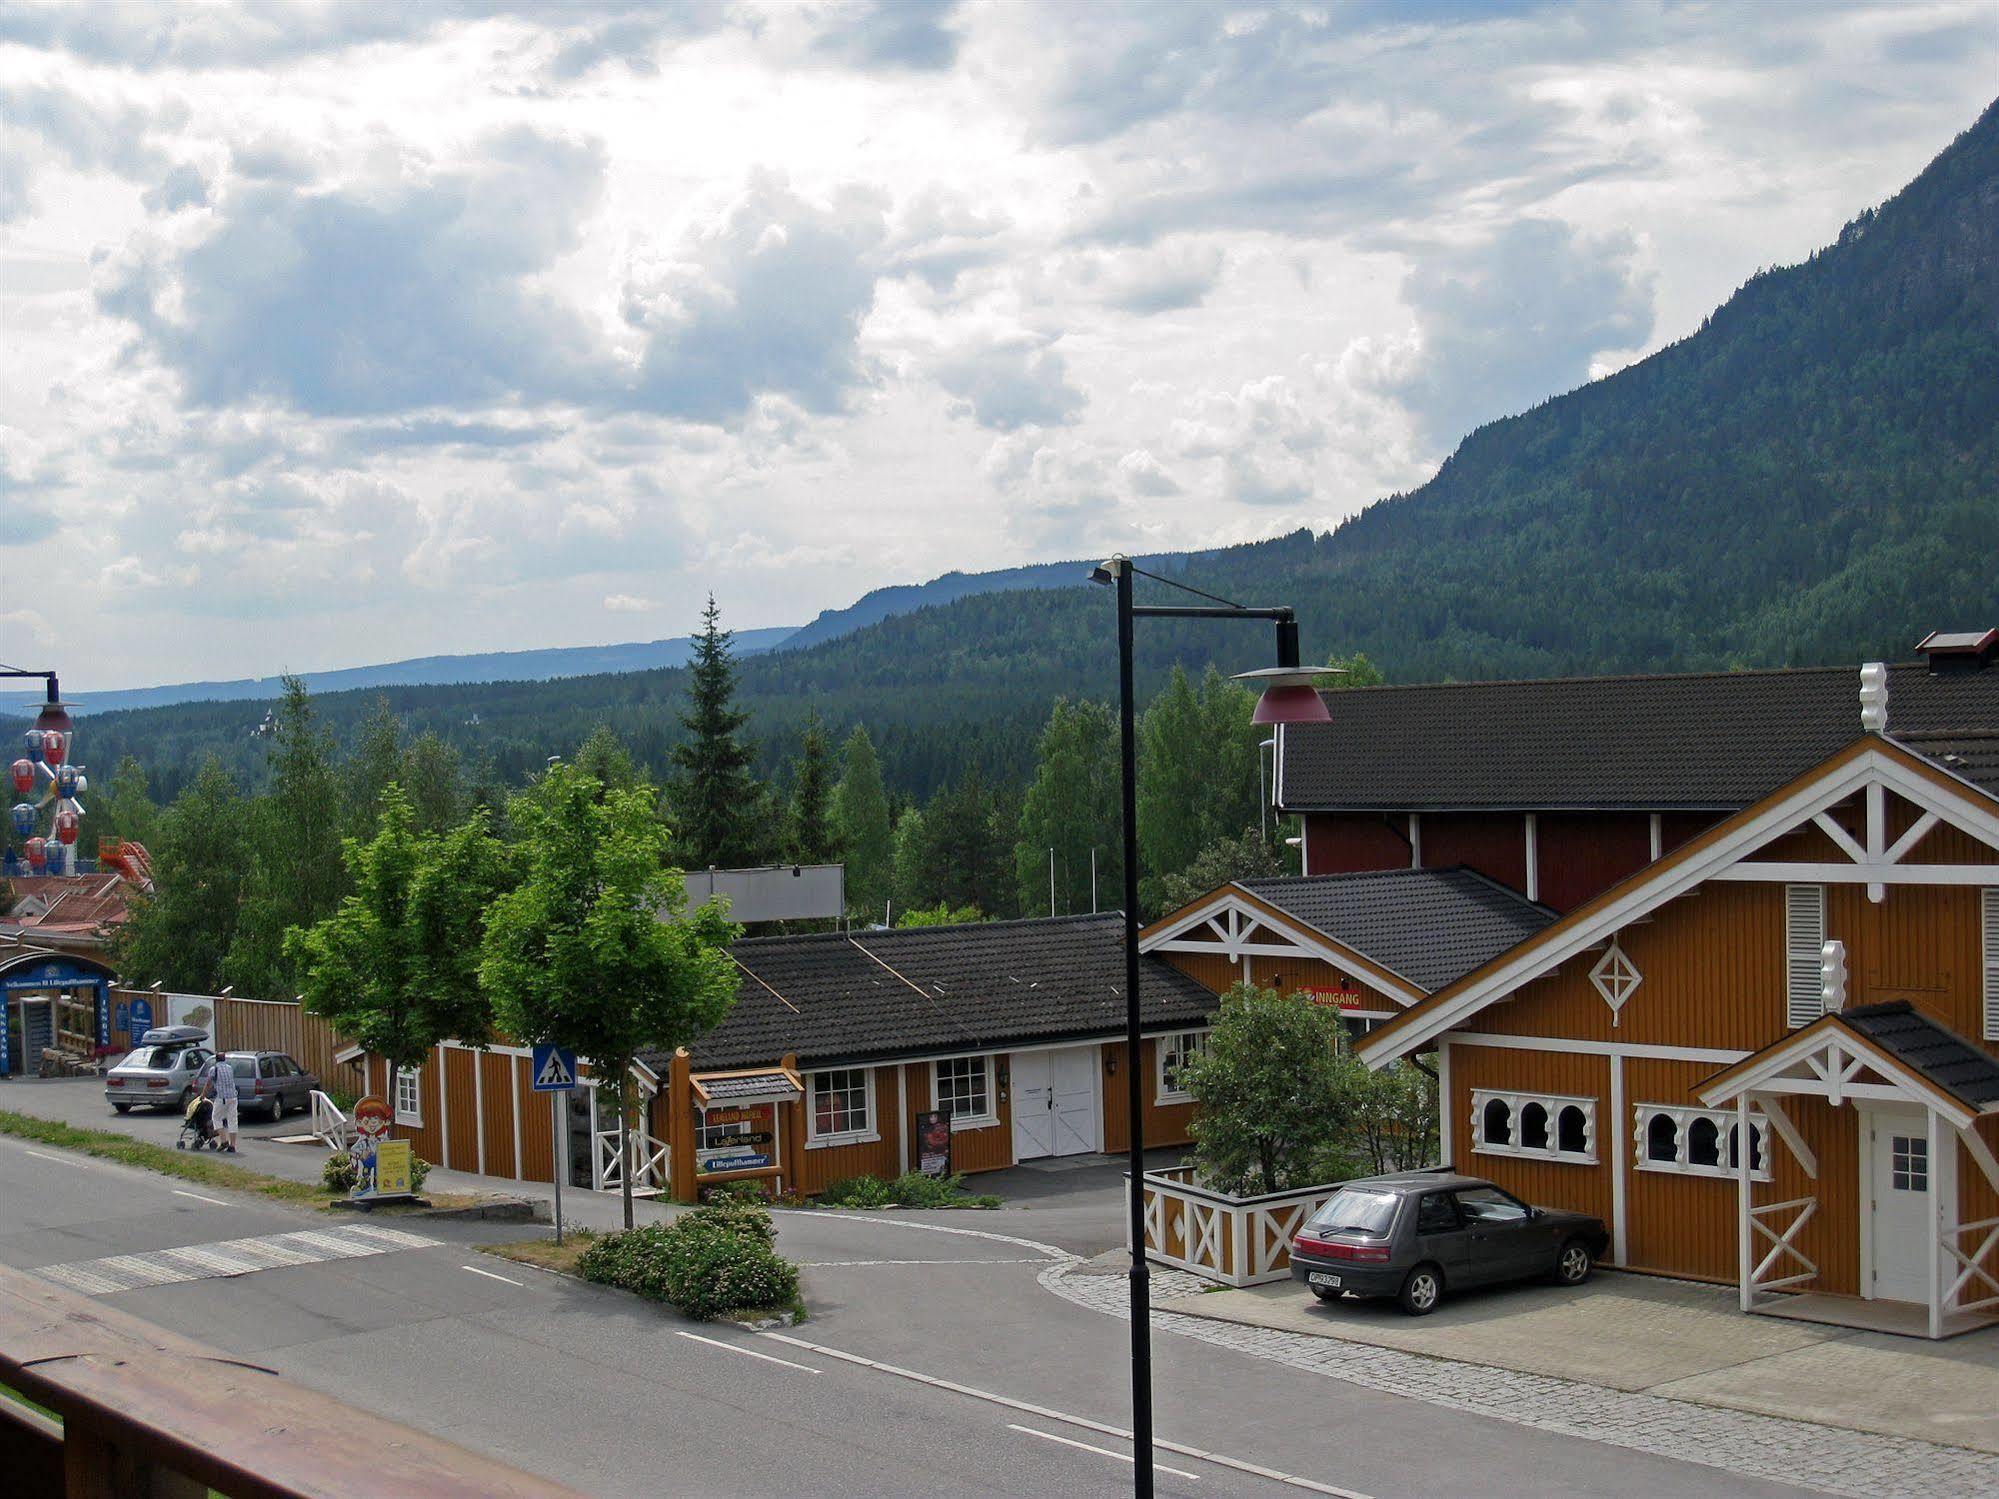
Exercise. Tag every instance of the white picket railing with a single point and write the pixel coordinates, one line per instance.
(1239, 1241)
(647, 1156)
(334, 1129)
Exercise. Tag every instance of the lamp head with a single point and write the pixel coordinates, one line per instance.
(1289, 695)
(1105, 572)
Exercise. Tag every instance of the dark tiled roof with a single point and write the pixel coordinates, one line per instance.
(919, 991)
(1709, 741)
(746, 1085)
(1429, 925)
(1937, 1052)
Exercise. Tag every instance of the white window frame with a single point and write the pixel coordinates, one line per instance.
(868, 1134)
(1196, 1042)
(412, 1079)
(1683, 1120)
(1553, 1103)
(983, 1120)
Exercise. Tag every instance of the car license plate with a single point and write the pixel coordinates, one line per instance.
(1321, 1278)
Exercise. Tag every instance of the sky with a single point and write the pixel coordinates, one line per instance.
(344, 332)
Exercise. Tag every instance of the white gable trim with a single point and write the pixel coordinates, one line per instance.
(1243, 930)
(1826, 1062)
(1878, 864)
(1653, 889)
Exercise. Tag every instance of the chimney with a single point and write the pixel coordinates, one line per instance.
(1954, 651)
(1874, 698)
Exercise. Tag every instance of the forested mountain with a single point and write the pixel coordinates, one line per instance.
(1813, 476)
(483, 666)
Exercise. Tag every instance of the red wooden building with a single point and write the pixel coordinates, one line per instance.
(1560, 788)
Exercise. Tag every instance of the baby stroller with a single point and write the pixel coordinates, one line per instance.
(195, 1126)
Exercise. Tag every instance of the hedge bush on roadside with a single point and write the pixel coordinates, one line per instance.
(858, 1192)
(910, 1190)
(713, 1260)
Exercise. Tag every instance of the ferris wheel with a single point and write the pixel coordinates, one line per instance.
(47, 767)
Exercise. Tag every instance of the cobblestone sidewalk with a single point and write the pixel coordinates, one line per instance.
(1827, 1458)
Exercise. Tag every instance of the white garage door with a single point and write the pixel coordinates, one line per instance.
(1054, 1102)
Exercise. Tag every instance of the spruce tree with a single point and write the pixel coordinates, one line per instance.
(296, 876)
(861, 825)
(719, 808)
(812, 837)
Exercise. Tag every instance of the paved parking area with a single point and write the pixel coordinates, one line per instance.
(1669, 1338)
(1793, 1449)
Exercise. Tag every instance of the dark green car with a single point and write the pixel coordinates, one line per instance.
(1420, 1234)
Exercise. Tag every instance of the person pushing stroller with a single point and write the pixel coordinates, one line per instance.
(218, 1084)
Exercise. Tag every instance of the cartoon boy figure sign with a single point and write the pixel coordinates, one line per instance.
(372, 1118)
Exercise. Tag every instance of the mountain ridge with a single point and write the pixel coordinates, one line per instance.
(1812, 477)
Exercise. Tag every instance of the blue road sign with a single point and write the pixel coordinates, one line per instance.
(554, 1069)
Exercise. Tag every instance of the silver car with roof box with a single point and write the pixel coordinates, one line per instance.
(160, 1071)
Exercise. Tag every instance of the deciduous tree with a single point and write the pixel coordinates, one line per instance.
(595, 947)
(1071, 806)
(1274, 1108)
(394, 968)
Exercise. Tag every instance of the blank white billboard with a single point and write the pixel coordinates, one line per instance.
(777, 892)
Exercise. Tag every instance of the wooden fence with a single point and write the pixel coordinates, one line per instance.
(273, 1025)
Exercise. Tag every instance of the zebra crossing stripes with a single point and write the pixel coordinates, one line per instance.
(229, 1257)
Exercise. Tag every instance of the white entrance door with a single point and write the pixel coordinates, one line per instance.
(1054, 1102)
(1901, 1241)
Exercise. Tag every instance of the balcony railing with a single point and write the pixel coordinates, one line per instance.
(126, 1408)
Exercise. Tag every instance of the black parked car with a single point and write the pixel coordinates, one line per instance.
(1416, 1235)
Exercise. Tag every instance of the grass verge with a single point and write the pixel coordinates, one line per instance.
(204, 1168)
(546, 1254)
(189, 1166)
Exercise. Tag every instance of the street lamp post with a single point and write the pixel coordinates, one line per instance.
(1288, 697)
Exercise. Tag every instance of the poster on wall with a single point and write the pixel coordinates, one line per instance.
(933, 1142)
(735, 1137)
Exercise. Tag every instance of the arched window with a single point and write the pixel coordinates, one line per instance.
(1572, 1131)
(1545, 1127)
(1703, 1143)
(1662, 1138)
(1533, 1127)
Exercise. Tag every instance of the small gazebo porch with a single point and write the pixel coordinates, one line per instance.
(1927, 1268)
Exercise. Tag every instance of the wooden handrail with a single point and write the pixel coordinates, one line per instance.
(144, 1410)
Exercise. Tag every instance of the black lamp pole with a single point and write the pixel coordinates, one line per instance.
(1120, 571)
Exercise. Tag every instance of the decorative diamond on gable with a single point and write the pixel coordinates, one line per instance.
(1616, 979)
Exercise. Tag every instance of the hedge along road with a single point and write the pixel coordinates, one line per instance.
(600, 1389)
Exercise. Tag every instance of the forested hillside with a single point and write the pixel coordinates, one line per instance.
(1811, 477)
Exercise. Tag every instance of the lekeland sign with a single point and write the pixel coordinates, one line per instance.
(736, 1137)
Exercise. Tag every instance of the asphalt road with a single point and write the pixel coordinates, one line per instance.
(618, 1396)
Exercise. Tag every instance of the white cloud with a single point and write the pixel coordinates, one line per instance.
(442, 327)
(625, 603)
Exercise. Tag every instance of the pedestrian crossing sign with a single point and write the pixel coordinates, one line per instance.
(554, 1069)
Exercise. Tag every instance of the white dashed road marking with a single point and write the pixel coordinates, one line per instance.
(748, 1352)
(215, 1202)
(1123, 1457)
(231, 1257)
(1103, 1428)
(491, 1276)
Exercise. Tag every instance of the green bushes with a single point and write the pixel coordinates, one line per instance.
(910, 1190)
(706, 1263)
